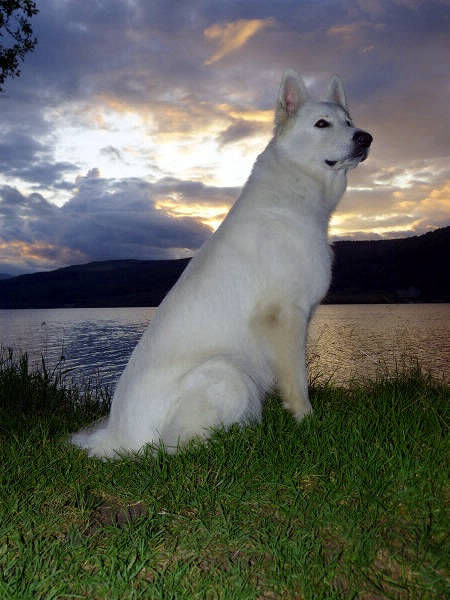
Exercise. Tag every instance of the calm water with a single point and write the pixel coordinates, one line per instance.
(344, 340)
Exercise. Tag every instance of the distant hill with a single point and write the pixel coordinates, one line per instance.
(413, 269)
(5, 276)
(106, 283)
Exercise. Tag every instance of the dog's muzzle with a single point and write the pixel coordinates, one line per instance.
(362, 141)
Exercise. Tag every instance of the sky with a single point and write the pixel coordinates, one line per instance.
(135, 123)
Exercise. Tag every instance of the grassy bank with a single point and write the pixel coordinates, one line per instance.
(350, 503)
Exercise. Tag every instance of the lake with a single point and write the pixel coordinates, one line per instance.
(344, 341)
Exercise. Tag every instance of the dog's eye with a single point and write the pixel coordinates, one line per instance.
(348, 123)
(322, 123)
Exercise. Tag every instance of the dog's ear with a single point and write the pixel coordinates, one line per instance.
(336, 92)
(292, 95)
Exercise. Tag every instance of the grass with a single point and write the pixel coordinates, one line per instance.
(350, 503)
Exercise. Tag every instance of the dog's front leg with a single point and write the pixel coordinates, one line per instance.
(285, 330)
(291, 364)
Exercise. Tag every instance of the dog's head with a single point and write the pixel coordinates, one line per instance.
(318, 135)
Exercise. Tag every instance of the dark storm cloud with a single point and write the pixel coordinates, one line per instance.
(44, 173)
(19, 215)
(103, 220)
(18, 150)
(23, 157)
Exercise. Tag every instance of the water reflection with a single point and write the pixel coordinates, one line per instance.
(349, 341)
(345, 341)
(92, 343)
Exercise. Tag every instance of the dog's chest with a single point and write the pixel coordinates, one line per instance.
(313, 272)
(297, 259)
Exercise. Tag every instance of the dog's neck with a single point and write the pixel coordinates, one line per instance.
(296, 184)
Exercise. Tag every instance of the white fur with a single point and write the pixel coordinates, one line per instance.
(235, 323)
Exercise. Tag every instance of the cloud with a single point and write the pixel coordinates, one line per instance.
(112, 152)
(18, 150)
(164, 100)
(233, 35)
(355, 33)
(412, 196)
(18, 256)
(44, 173)
(24, 157)
(434, 209)
(239, 130)
(106, 219)
(208, 205)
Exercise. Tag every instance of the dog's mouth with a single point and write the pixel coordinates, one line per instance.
(361, 155)
(351, 161)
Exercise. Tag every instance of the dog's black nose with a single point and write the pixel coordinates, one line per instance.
(362, 138)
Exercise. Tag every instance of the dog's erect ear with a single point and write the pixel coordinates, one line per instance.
(292, 95)
(336, 92)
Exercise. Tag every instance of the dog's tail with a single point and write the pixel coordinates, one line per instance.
(97, 440)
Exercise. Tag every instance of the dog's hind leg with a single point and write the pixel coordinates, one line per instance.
(215, 393)
(285, 331)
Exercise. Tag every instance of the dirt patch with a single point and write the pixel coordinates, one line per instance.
(114, 513)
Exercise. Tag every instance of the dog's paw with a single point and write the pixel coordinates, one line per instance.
(300, 414)
(299, 409)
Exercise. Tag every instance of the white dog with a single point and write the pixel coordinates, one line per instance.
(235, 323)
